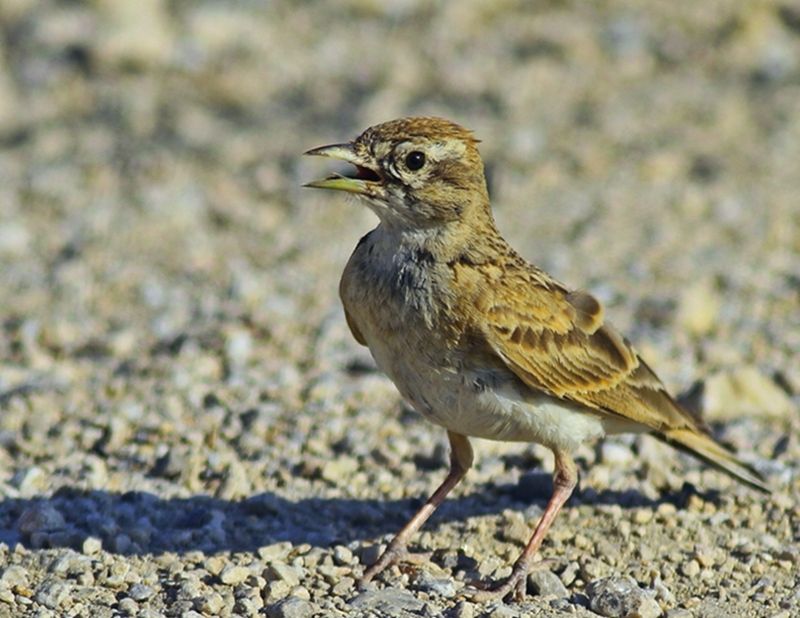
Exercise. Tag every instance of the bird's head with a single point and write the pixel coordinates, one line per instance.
(413, 172)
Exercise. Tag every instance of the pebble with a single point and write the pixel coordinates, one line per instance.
(462, 609)
(179, 390)
(140, 592)
(513, 528)
(342, 555)
(41, 517)
(292, 607)
(276, 551)
(128, 606)
(690, 568)
(386, 600)
(615, 454)
(621, 597)
(212, 604)
(233, 574)
(642, 516)
(369, 554)
(744, 391)
(337, 470)
(282, 572)
(698, 308)
(91, 546)
(546, 583)
(14, 576)
(53, 594)
(439, 586)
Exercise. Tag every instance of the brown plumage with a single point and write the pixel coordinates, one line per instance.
(477, 339)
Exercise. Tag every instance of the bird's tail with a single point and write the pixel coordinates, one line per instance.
(706, 449)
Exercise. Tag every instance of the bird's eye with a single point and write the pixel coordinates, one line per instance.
(415, 160)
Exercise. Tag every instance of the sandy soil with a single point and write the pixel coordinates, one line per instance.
(187, 427)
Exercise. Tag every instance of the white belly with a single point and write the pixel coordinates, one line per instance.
(488, 404)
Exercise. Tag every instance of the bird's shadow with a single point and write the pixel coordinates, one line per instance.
(139, 523)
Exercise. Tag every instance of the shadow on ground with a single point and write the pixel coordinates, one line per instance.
(136, 523)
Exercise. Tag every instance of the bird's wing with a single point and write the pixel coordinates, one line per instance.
(557, 341)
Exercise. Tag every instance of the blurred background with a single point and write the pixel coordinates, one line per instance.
(169, 319)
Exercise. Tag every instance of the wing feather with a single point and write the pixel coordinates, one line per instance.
(557, 341)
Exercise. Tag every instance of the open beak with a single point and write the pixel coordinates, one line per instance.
(364, 179)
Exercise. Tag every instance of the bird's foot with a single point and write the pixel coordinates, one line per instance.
(393, 555)
(515, 585)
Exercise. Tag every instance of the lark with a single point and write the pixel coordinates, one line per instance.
(478, 340)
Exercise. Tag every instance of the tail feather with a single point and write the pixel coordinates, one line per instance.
(706, 449)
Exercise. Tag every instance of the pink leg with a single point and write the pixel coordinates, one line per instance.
(460, 462)
(565, 478)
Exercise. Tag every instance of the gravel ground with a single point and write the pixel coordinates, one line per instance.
(187, 427)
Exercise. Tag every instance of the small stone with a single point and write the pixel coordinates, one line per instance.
(277, 590)
(514, 529)
(387, 600)
(621, 597)
(140, 592)
(339, 469)
(211, 604)
(91, 545)
(238, 347)
(128, 606)
(214, 564)
(690, 568)
(234, 574)
(704, 556)
(502, 611)
(52, 594)
(642, 516)
(29, 481)
(442, 587)
(546, 583)
(570, 573)
(276, 551)
(291, 607)
(370, 554)
(744, 392)
(41, 517)
(342, 555)
(282, 572)
(14, 576)
(463, 609)
(301, 592)
(137, 34)
(15, 239)
(698, 308)
(613, 453)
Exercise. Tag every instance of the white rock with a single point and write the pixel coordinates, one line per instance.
(698, 308)
(744, 392)
(135, 33)
(232, 575)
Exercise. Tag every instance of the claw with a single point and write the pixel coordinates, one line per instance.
(393, 555)
(516, 584)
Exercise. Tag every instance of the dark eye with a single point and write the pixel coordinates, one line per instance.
(415, 160)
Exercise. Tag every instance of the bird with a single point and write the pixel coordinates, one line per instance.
(478, 340)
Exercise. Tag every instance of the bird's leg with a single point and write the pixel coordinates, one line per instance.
(460, 462)
(565, 477)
